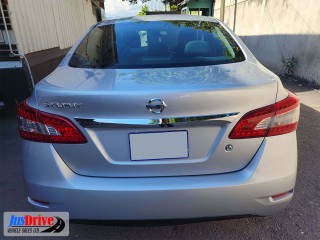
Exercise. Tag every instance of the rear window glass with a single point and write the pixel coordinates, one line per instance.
(156, 44)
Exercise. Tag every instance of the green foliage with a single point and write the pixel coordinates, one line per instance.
(170, 2)
(289, 65)
(173, 8)
(135, 1)
(204, 26)
(143, 11)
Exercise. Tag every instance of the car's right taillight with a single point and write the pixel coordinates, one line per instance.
(276, 119)
(38, 126)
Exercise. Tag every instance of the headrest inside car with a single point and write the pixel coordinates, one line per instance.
(197, 47)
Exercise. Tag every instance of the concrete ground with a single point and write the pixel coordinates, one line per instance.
(309, 95)
(301, 220)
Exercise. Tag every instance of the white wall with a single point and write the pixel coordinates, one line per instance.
(277, 29)
(44, 24)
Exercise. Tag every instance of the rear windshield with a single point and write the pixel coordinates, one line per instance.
(156, 44)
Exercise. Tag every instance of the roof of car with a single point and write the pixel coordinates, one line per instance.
(161, 17)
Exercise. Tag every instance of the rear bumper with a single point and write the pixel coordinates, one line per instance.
(246, 192)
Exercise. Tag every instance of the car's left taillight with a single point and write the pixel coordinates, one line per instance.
(38, 126)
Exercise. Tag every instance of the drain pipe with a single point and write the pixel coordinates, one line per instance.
(235, 15)
(12, 54)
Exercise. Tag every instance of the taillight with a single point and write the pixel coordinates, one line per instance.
(38, 126)
(279, 118)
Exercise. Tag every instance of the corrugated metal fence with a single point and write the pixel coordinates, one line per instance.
(45, 24)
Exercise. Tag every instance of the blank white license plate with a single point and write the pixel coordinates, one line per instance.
(159, 145)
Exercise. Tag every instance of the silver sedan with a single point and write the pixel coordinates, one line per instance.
(160, 117)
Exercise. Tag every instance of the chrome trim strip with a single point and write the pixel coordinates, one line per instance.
(162, 122)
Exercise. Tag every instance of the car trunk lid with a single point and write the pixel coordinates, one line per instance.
(109, 107)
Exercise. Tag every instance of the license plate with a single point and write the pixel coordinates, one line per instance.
(159, 145)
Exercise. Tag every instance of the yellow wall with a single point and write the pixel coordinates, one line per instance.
(44, 24)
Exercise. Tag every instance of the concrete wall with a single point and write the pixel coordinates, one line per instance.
(45, 24)
(277, 29)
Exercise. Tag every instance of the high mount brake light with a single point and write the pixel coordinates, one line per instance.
(277, 119)
(38, 126)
